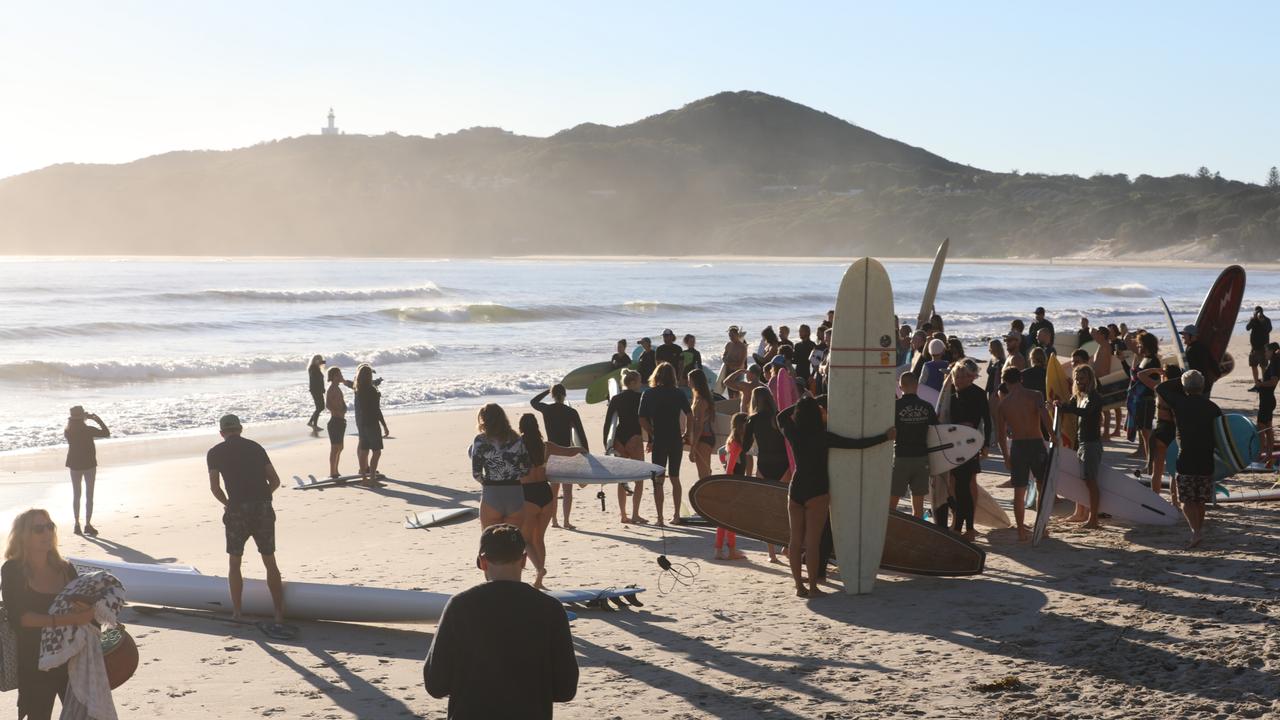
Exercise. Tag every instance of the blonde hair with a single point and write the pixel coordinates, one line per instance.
(1077, 374)
(17, 548)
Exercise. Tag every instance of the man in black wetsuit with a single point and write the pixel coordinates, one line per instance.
(561, 422)
(1194, 414)
(1041, 323)
(968, 407)
(502, 649)
(669, 352)
(620, 358)
(1198, 358)
(661, 408)
(912, 418)
(647, 360)
(803, 349)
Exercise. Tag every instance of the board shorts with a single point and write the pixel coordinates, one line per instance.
(1027, 457)
(506, 499)
(910, 473)
(1166, 432)
(337, 428)
(254, 519)
(538, 493)
(1090, 454)
(1195, 488)
(370, 436)
(668, 454)
(1144, 413)
(1257, 357)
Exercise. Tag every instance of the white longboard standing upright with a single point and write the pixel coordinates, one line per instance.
(860, 404)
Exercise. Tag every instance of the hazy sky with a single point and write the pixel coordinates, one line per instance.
(1154, 87)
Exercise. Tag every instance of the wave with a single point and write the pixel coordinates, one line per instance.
(114, 371)
(1132, 290)
(485, 313)
(308, 295)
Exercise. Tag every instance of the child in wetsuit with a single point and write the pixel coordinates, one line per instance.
(735, 464)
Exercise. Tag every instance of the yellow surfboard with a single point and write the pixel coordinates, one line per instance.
(1058, 387)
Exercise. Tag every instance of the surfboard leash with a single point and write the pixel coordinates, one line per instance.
(674, 574)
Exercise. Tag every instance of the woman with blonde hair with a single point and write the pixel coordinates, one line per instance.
(539, 499)
(499, 461)
(31, 578)
(1087, 404)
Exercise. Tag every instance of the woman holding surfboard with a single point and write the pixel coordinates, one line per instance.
(539, 500)
(628, 440)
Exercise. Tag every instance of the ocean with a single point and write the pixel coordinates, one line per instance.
(167, 346)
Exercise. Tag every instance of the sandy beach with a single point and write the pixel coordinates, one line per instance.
(1114, 623)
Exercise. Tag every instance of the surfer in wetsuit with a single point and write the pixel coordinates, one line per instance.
(539, 500)
(1195, 415)
(662, 408)
(1266, 387)
(1022, 414)
(762, 431)
(647, 361)
(1086, 404)
(627, 440)
(1259, 327)
(804, 426)
(691, 357)
(562, 422)
(800, 355)
(620, 358)
(368, 421)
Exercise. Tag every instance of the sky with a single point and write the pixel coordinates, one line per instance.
(1134, 87)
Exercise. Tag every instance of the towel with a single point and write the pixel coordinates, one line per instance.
(79, 647)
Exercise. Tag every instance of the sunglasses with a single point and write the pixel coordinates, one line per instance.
(41, 528)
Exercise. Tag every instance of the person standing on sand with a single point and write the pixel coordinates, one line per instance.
(315, 383)
(1084, 334)
(499, 461)
(82, 462)
(1195, 414)
(800, 356)
(627, 440)
(1199, 358)
(562, 423)
(919, 340)
(733, 359)
(969, 406)
(1014, 357)
(1143, 397)
(701, 433)
(620, 357)
(245, 469)
(663, 407)
(912, 419)
(647, 361)
(669, 352)
(822, 367)
(1086, 404)
(805, 429)
(1034, 377)
(1266, 388)
(692, 356)
(1041, 323)
(369, 420)
(1259, 328)
(735, 464)
(1024, 342)
(1165, 431)
(539, 500)
(502, 649)
(994, 365)
(1022, 414)
(337, 425)
(762, 431)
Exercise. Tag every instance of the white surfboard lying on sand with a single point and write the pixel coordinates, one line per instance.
(1120, 495)
(420, 520)
(586, 469)
(182, 586)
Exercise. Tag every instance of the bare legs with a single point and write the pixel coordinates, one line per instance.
(369, 464)
(274, 583)
(87, 476)
(807, 522)
(335, 453)
(535, 534)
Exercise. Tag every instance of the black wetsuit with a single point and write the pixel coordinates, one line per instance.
(994, 368)
(811, 478)
(561, 421)
(1082, 337)
(663, 407)
(1090, 426)
(648, 361)
(626, 407)
(315, 382)
(771, 458)
(620, 360)
(802, 351)
(969, 407)
(1267, 395)
(1198, 358)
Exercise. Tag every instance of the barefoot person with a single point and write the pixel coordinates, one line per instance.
(82, 461)
(762, 432)
(805, 428)
(912, 419)
(1266, 387)
(701, 435)
(562, 422)
(735, 464)
(499, 461)
(1086, 403)
(368, 402)
(502, 649)
(733, 359)
(627, 440)
(1259, 328)
(31, 578)
(1022, 414)
(663, 409)
(539, 501)
(336, 402)
(969, 406)
(1166, 429)
(1195, 414)
(315, 383)
(244, 468)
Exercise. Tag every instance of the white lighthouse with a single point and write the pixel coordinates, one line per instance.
(331, 129)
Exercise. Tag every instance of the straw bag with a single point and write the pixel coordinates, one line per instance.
(8, 653)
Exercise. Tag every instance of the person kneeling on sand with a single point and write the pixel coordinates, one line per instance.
(243, 466)
(1195, 414)
(502, 649)
(1023, 415)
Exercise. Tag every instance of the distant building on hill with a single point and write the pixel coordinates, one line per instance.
(331, 129)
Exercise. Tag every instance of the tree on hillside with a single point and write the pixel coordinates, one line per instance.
(1204, 173)
(1273, 178)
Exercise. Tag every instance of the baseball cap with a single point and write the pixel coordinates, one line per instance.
(645, 341)
(778, 361)
(229, 422)
(502, 543)
(937, 347)
(1189, 330)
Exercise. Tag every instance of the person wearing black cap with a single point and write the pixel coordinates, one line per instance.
(1199, 358)
(669, 352)
(244, 467)
(502, 649)
(1041, 323)
(647, 360)
(1259, 328)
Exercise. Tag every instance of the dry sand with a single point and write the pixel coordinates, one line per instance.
(1115, 623)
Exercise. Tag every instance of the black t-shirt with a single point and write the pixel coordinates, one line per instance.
(1033, 379)
(669, 353)
(663, 407)
(1194, 415)
(1259, 332)
(502, 650)
(648, 361)
(1082, 337)
(243, 466)
(803, 349)
(82, 454)
(1198, 358)
(620, 360)
(912, 418)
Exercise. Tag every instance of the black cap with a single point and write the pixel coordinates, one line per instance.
(645, 341)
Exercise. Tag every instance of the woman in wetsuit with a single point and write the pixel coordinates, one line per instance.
(1267, 402)
(315, 383)
(499, 461)
(701, 435)
(1144, 397)
(805, 427)
(539, 501)
(763, 432)
(627, 439)
(561, 421)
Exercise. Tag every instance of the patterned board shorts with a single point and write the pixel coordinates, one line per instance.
(255, 519)
(1195, 488)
